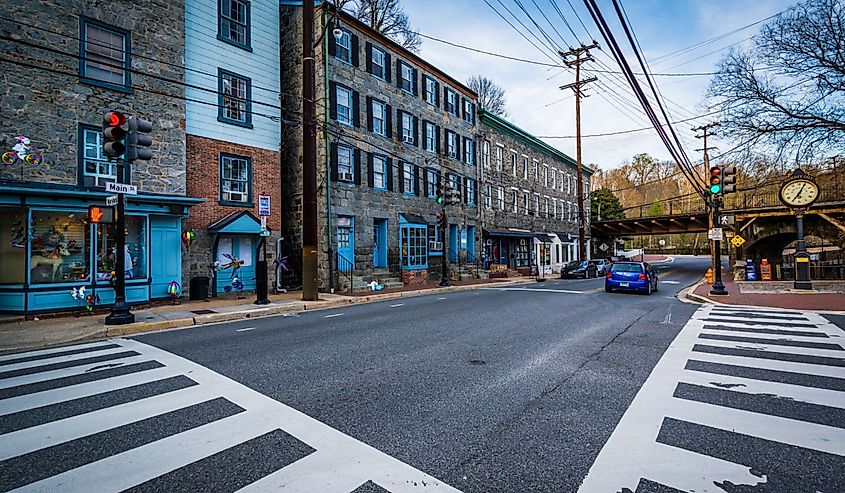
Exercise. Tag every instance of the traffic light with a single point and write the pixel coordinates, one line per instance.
(440, 198)
(729, 179)
(98, 214)
(139, 139)
(114, 134)
(715, 180)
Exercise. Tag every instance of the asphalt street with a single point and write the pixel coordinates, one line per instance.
(528, 388)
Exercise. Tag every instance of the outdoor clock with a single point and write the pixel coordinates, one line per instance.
(799, 191)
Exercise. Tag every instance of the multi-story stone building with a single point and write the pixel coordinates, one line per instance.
(233, 121)
(529, 197)
(392, 128)
(65, 67)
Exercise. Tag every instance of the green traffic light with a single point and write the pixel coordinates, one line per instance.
(439, 200)
(714, 189)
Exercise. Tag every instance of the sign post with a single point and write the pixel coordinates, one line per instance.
(715, 234)
(261, 281)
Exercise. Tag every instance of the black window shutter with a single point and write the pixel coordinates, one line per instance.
(357, 167)
(401, 171)
(415, 81)
(368, 52)
(356, 110)
(398, 73)
(416, 131)
(333, 100)
(388, 120)
(389, 174)
(458, 147)
(399, 124)
(417, 171)
(475, 192)
(370, 174)
(369, 114)
(437, 94)
(437, 139)
(466, 190)
(387, 66)
(354, 49)
(463, 111)
(332, 40)
(334, 161)
(424, 172)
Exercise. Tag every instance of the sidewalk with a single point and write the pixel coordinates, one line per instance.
(780, 295)
(17, 334)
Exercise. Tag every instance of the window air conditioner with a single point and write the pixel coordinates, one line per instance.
(408, 139)
(345, 177)
(435, 246)
(234, 196)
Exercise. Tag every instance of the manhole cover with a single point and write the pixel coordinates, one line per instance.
(202, 312)
(477, 362)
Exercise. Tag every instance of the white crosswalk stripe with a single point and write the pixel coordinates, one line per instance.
(30, 383)
(754, 383)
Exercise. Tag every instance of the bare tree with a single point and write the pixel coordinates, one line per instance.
(386, 17)
(491, 96)
(787, 93)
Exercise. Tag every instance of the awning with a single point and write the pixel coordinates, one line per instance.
(242, 222)
(412, 219)
(564, 237)
(543, 237)
(512, 234)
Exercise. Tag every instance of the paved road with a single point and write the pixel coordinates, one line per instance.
(531, 388)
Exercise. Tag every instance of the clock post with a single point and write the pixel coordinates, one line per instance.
(798, 192)
(802, 258)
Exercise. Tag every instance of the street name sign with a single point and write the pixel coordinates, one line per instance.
(111, 200)
(121, 188)
(715, 234)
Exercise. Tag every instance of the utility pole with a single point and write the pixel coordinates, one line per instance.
(581, 54)
(711, 206)
(309, 158)
(705, 130)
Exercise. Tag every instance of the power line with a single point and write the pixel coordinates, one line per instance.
(642, 129)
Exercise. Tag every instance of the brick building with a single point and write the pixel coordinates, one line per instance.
(69, 63)
(529, 197)
(392, 127)
(233, 135)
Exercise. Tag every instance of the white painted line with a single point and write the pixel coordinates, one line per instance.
(441, 298)
(44, 376)
(397, 305)
(245, 329)
(334, 315)
(540, 290)
(670, 282)
(7, 357)
(60, 359)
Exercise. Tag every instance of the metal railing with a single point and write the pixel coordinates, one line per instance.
(344, 269)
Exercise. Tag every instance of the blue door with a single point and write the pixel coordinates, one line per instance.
(471, 243)
(345, 244)
(166, 251)
(453, 243)
(234, 249)
(380, 243)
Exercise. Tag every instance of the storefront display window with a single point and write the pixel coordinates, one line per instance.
(135, 266)
(521, 254)
(58, 247)
(12, 246)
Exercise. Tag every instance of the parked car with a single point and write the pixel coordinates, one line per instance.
(579, 268)
(602, 266)
(631, 276)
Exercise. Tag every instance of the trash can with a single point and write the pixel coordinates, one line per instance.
(199, 288)
(750, 271)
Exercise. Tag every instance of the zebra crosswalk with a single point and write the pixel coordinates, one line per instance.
(121, 415)
(744, 399)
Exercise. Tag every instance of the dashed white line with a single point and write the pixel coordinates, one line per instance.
(244, 329)
(334, 315)
(441, 298)
(397, 305)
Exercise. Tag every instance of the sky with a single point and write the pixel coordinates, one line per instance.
(535, 102)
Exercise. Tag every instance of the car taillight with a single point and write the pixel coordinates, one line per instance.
(641, 277)
(610, 275)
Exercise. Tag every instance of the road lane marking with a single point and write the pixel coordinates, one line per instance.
(441, 298)
(334, 315)
(397, 305)
(670, 282)
(541, 290)
(245, 329)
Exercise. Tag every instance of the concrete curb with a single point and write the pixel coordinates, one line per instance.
(687, 295)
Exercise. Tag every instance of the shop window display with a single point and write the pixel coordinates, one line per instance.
(12, 246)
(135, 266)
(521, 254)
(58, 247)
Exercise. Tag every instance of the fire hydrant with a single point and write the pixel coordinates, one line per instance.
(708, 276)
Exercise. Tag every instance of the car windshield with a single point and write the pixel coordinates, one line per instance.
(626, 268)
(573, 264)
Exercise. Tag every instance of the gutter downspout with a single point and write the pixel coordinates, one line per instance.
(327, 152)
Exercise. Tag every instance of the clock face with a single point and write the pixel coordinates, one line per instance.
(799, 193)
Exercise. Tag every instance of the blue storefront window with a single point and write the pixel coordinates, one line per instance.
(413, 246)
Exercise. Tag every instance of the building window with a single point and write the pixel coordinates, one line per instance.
(536, 165)
(234, 22)
(554, 208)
(430, 91)
(55, 235)
(380, 172)
(513, 163)
(408, 81)
(500, 196)
(430, 137)
(435, 243)
(469, 151)
(554, 179)
(345, 163)
(471, 199)
(104, 55)
(344, 105)
(235, 179)
(413, 246)
(408, 178)
(488, 196)
(485, 154)
(453, 181)
(500, 153)
(526, 202)
(545, 174)
(546, 207)
(431, 183)
(96, 169)
(536, 204)
(525, 167)
(343, 47)
(469, 112)
(452, 144)
(379, 112)
(514, 201)
(378, 62)
(407, 127)
(568, 184)
(452, 102)
(234, 100)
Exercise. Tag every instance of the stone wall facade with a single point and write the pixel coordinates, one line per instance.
(46, 99)
(358, 198)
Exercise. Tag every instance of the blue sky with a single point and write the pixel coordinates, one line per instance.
(534, 100)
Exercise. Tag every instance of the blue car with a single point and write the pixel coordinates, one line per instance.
(631, 276)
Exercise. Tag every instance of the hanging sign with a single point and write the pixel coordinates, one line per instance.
(263, 205)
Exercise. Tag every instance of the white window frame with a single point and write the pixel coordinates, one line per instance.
(346, 37)
(500, 157)
(430, 90)
(373, 58)
(430, 131)
(344, 118)
(524, 167)
(346, 162)
(500, 195)
(526, 202)
(469, 151)
(514, 163)
(408, 178)
(488, 196)
(410, 79)
(554, 179)
(379, 171)
(407, 128)
(485, 154)
(379, 112)
(537, 204)
(515, 200)
(545, 175)
(451, 144)
(431, 183)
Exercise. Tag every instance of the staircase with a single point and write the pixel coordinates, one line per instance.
(360, 284)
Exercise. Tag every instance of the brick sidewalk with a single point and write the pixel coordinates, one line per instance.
(797, 301)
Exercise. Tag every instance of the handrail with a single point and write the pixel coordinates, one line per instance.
(345, 268)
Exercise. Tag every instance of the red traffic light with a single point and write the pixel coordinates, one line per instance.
(114, 118)
(715, 171)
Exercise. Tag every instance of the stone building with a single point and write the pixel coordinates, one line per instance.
(529, 199)
(67, 64)
(233, 125)
(391, 129)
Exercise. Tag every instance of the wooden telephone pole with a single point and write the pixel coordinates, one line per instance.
(581, 55)
(705, 131)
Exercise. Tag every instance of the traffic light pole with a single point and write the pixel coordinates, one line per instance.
(120, 313)
(718, 288)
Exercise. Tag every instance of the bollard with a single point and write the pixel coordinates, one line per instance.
(708, 276)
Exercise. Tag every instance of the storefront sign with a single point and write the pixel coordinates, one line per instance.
(263, 205)
(121, 188)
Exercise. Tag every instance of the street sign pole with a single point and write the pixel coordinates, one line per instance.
(120, 313)
(718, 288)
